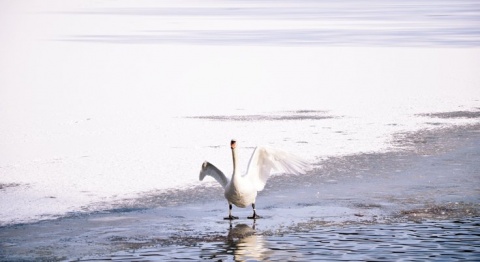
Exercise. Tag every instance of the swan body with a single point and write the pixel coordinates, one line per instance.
(241, 190)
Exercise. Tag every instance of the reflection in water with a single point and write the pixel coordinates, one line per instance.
(247, 245)
(444, 240)
(426, 241)
(244, 243)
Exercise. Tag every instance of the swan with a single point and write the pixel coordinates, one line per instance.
(241, 190)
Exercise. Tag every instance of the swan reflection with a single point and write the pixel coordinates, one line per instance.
(246, 244)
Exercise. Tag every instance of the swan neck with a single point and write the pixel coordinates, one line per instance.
(235, 161)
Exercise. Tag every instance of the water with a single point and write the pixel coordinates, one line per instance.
(434, 241)
(131, 97)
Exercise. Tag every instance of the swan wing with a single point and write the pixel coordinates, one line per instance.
(209, 169)
(266, 160)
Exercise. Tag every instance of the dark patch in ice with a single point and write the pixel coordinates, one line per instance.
(309, 112)
(429, 141)
(434, 123)
(5, 186)
(453, 114)
(305, 204)
(117, 238)
(125, 209)
(295, 115)
(367, 206)
(261, 117)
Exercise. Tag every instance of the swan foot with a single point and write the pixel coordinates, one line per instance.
(254, 216)
(230, 217)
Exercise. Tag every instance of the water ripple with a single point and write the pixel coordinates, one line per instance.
(432, 240)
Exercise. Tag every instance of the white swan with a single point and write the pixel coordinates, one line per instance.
(242, 190)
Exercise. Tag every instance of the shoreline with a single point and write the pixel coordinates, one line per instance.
(434, 179)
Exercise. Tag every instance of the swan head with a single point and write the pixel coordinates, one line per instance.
(233, 143)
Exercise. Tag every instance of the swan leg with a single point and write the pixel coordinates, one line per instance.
(230, 217)
(254, 216)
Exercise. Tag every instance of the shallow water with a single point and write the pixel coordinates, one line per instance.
(108, 102)
(430, 240)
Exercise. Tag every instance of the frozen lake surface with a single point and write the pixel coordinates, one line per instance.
(115, 105)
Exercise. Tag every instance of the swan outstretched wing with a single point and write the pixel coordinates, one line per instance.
(264, 160)
(211, 170)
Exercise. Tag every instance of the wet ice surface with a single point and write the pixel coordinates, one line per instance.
(419, 203)
(151, 161)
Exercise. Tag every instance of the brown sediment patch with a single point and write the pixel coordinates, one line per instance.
(441, 211)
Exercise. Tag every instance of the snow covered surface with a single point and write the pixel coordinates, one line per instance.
(98, 104)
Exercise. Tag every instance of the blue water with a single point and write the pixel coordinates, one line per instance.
(456, 240)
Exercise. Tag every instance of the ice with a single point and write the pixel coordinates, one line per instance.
(98, 106)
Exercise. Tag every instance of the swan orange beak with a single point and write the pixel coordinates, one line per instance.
(233, 144)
